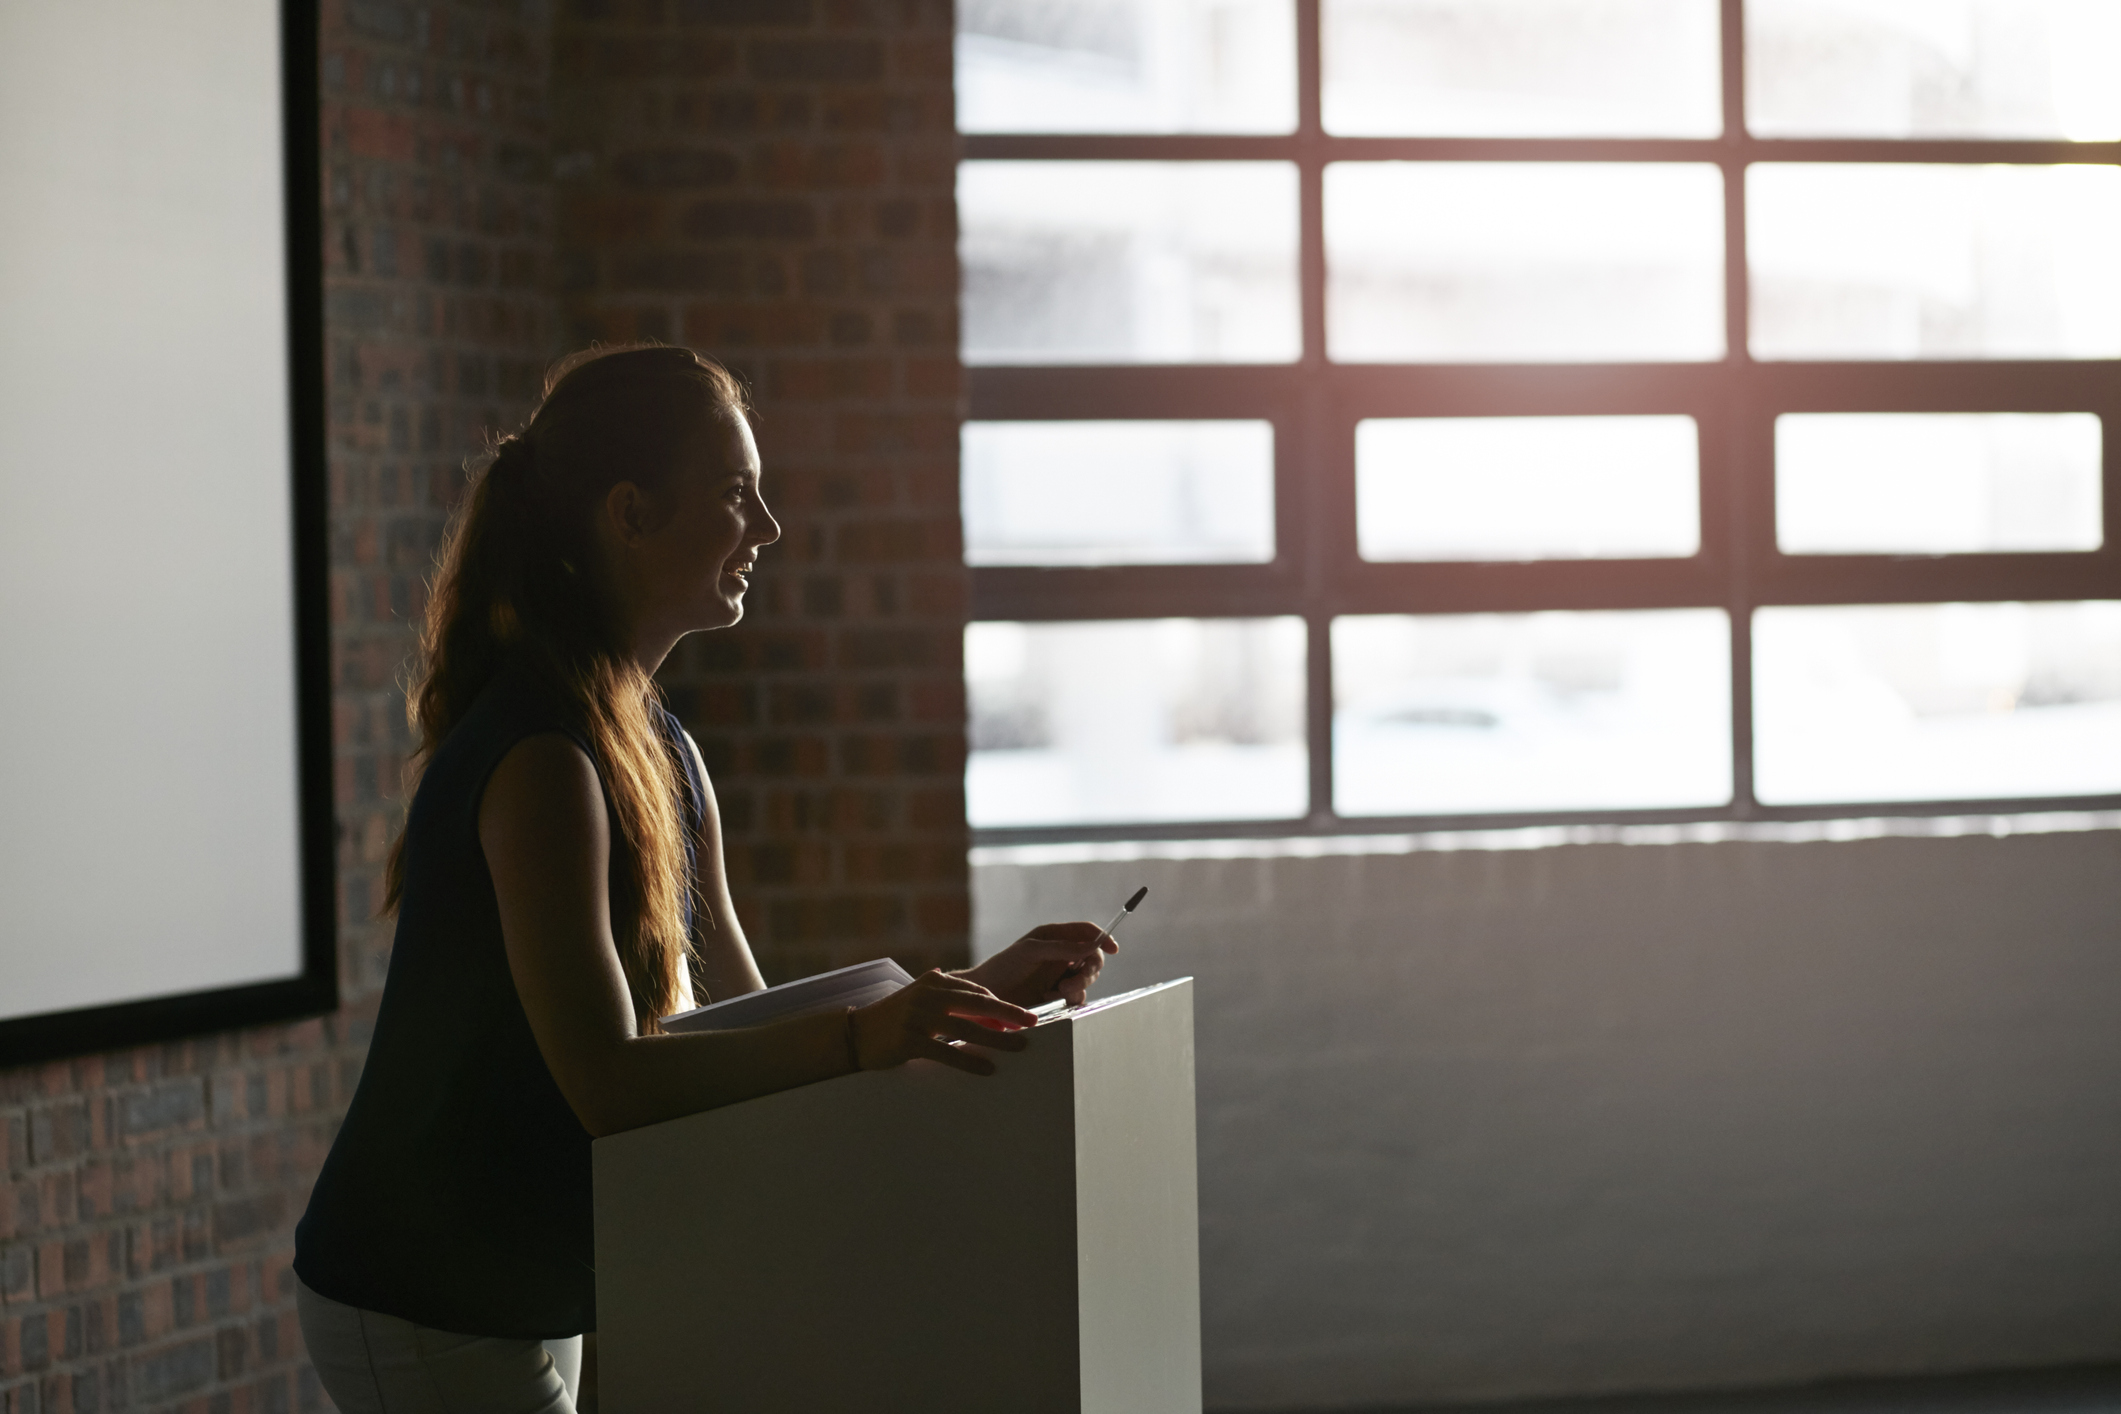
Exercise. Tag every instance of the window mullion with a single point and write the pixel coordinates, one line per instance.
(1749, 508)
(1040, 594)
(1739, 474)
(1733, 49)
(1932, 579)
(1125, 147)
(1327, 518)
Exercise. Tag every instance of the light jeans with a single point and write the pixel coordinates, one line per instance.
(371, 1363)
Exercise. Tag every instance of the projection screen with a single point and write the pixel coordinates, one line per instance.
(165, 784)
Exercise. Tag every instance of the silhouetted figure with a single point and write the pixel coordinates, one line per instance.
(558, 885)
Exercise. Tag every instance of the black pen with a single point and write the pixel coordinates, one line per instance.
(1121, 916)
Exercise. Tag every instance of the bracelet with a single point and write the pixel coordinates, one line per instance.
(854, 1053)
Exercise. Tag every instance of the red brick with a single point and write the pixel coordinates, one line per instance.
(943, 915)
(610, 218)
(898, 541)
(944, 595)
(819, 166)
(831, 379)
(370, 132)
(733, 327)
(872, 433)
(55, 1200)
(645, 56)
(936, 809)
(933, 377)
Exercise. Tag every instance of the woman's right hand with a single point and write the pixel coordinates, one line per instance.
(919, 1020)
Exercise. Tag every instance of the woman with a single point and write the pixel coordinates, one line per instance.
(558, 880)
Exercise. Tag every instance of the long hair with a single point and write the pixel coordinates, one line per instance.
(518, 574)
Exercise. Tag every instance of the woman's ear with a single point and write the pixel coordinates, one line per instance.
(629, 514)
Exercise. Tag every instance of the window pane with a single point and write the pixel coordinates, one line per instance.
(1523, 261)
(1854, 261)
(1126, 66)
(1527, 488)
(1128, 262)
(1142, 720)
(1936, 702)
(1933, 68)
(1489, 713)
(1522, 68)
(1118, 493)
(1936, 483)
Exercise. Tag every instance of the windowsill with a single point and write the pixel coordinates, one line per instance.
(1551, 836)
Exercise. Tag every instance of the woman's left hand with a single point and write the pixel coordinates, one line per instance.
(1051, 961)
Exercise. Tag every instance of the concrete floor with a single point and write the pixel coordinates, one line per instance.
(2090, 1390)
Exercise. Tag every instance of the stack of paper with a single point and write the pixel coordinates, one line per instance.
(859, 985)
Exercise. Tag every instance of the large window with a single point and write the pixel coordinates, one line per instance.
(1396, 413)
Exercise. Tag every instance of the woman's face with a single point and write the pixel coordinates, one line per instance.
(721, 522)
(691, 570)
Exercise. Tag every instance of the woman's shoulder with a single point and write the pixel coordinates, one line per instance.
(515, 706)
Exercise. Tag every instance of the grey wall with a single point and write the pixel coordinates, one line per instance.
(1492, 1121)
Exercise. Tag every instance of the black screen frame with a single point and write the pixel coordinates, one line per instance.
(315, 990)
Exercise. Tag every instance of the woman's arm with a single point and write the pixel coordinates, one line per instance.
(543, 828)
(726, 964)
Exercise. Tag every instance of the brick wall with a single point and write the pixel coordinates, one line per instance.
(770, 181)
(150, 1196)
(146, 1220)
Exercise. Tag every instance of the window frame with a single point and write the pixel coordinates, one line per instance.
(1314, 404)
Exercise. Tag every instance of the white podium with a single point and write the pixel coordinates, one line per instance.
(919, 1239)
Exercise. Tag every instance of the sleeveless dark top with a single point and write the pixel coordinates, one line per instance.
(457, 1192)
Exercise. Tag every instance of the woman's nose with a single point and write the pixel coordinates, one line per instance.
(763, 529)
